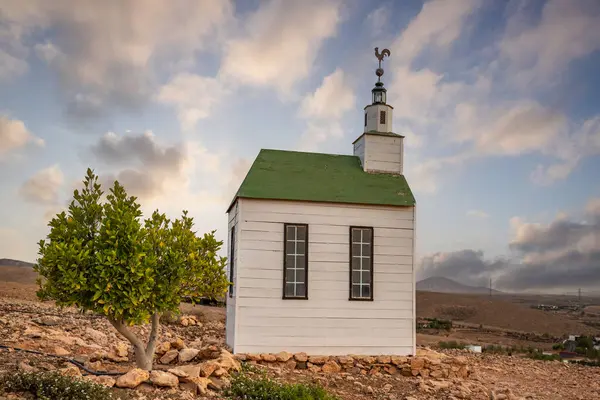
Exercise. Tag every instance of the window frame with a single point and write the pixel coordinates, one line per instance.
(371, 269)
(285, 236)
(382, 117)
(231, 259)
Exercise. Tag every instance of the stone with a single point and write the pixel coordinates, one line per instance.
(301, 357)
(178, 372)
(218, 384)
(219, 372)
(315, 369)
(169, 357)
(47, 320)
(132, 379)
(23, 366)
(384, 359)
(417, 364)
(290, 365)
(387, 387)
(192, 371)
(163, 379)
(207, 368)
(399, 361)
(122, 349)
(178, 344)
(201, 384)
(145, 387)
(70, 370)
(346, 360)
(283, 356)
(331, 367)
(318, 360)
(189, 387)
(268, 357)
(102, 380)
(60, 351)
(187, 354)
(253, 357)
(369, 390)
(95, 335)
(34, 333)
(163, 348)
(228, 362)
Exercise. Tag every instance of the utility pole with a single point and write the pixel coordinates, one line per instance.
(579, 295)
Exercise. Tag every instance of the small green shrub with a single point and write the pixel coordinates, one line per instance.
(558, 346)
(451, 345)
(244, 386)
(544, 357)
(54, 386)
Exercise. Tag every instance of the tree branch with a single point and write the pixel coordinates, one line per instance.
(153, 335)
(122, 329)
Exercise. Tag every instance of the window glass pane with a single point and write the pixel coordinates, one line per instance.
(289, 261)
(300, 261)
(382, 117)
(301, 275)
(355, 291)
(289, 289)
(289, 275)
(301, 248)
(289, 247)
(291, 232)
(355, 276)
(366, 291)
(355, 263)
(301, 232)
(366, 277)
(356, 250)
(301, 290)
(355, 235)
(367, 236)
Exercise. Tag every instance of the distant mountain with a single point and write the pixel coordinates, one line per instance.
(7, 262)
(444, 285)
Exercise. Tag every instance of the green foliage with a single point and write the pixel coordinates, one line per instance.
(101, 257)
(558, 346)
(54, 386)
(260, 387)
(451, 345)
(537, 355)
(585, 342)
(434, 323)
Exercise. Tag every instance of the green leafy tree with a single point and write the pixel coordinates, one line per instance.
(102, 258)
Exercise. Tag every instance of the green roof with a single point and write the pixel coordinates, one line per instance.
(332, 178)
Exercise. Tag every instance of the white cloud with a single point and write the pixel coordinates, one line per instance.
(477, 214)
(280, 42)
(438, 25)
(111, 50)
(44, 186)
(10, 66)
(565, 32)
(14, 135)
(324, 108)
(378, 19)
(193, 96)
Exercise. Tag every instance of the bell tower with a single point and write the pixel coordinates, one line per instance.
(379, 149)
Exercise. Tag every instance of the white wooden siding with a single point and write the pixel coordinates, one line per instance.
(231, 301)
(326, 323)
(359, 150)
(384, 153)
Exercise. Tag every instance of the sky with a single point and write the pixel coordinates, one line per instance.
(499, 102)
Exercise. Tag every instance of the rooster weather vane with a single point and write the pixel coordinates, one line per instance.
(380, 56)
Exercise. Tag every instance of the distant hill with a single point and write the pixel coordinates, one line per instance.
(444, 285)
(7, 262)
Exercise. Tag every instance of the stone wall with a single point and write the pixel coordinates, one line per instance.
(426, 363)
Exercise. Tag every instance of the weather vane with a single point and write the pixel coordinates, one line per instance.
(384, 52)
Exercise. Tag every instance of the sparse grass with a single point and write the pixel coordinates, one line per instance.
(54, 386)
(451, 345)
(544, 357)
(250, 384)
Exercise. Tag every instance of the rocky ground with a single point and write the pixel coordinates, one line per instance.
(193, 362)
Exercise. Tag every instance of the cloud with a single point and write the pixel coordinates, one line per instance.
(561, 255)
(110, 51)
(538, 52)
(324, 108)
(139, 162)
(280, 42)
(193, 97)
(477, 214)
(437, 26)
(14, 135)
(378, 19)
(10, 66)
(44, 186)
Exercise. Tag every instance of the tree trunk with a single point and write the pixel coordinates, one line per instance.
(144, 355)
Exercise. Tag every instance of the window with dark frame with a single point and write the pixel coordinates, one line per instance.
(361, 263)
(382, 117)
(365, 119)
(295, 262)
(231, 260)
